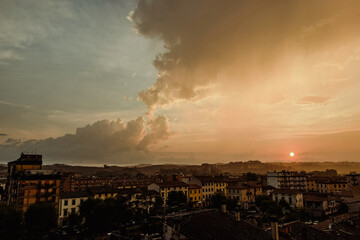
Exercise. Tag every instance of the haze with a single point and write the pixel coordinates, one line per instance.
(129, 82)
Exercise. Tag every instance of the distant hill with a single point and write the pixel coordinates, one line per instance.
(206, 169)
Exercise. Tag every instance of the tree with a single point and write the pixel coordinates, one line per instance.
(250, 176)
(218, 199)
(74, 219)
(284, 204)
(260, 198)
(105, 215)
(176, 198)
(40, 218)
(10, 222)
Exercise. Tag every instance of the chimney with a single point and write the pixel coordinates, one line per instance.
(237, 216)
(274, 230)
(223, 208)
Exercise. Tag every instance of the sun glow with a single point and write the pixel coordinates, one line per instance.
(292, 154)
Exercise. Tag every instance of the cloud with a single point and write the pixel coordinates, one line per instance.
(222, 43)
(103, 141)
(313, 100)
(159, 131)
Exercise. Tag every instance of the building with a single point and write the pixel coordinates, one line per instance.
(70, 202)
(287, 179)
(195, 193)
(353, 179)
(327, 184)
(292, 196)
(242, 193)
(164, 188)
(103, 192)
(320, 205)
(211, 225)
(207, 185)
(28, 184)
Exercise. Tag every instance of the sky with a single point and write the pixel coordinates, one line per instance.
(130, 82)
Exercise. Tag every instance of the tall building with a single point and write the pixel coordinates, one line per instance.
(287, 179)
(28, 184)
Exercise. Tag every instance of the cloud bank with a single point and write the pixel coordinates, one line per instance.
(216, 44)
(101, 142)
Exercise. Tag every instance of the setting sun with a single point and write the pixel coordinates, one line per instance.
(292, 154)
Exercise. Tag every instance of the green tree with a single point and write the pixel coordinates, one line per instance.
(10, 222)
(40, 218)
(176, 198)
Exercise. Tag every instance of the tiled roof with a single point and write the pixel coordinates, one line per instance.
(104, 189)
(172, 184)
(194, 186)
(314, 198)
(238, 187)
(299, 231)
(217, 226)
(286, 191)
(75, 194)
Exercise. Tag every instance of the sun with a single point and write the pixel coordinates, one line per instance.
(292, 154)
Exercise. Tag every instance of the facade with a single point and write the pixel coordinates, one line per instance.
(103, 192)
(320, 205)
(327, 184)
(165, 188)
(353, 179)
(195, 193)
(293, 197)
(242, 193)
(70, 202)
(28, 184)
(207, 185)
(287, 179)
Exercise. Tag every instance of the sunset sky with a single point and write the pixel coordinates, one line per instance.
(183, 81)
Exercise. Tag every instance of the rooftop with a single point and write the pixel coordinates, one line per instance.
(172, 184)
(217, 226)
(286, 191)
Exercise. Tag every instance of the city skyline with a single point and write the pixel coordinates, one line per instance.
(131, 82)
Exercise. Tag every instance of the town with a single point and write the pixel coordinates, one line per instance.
(276, 205)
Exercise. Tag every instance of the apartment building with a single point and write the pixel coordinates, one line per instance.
(70, 202)
(327, 184)
(28, 184)
(353, 179)
(195, 193)
(164, 188)
(241, 193)
(292, 196)
(287, 179)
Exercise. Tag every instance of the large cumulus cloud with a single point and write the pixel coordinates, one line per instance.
(212, 42)
(102, 142)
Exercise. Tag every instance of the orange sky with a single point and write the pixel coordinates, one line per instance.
(203, 80)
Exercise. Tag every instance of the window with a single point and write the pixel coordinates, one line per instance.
(65, 212)
(65, 203)
(162, 194)
(73, 202)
